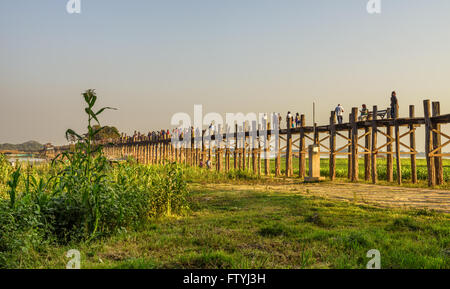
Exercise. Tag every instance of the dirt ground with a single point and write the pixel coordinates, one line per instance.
(378, 195)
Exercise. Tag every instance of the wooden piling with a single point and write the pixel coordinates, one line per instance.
(236, 147)
(374, 150)
(397, 153)
(431, 167)
(278, 156)
(302, 149)
(412, 144)
(437, 144)
(367, 146)
(389, 154)
(266, 152)
(350, 160)
(288, 148)
(332, 162)
(355, 160)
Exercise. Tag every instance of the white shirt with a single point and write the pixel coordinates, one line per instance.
(339, 110)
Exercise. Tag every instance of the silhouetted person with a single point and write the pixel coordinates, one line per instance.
(394, 105)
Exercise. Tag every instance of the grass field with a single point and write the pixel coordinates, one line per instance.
(247, 229)
(242, 228)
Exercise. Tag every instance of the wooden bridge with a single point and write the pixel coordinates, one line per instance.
(371, 138)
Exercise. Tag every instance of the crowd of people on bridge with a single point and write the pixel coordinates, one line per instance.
(295, 122)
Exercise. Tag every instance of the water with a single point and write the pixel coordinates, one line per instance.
(25, 159)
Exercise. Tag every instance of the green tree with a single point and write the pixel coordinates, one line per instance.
(106, 133)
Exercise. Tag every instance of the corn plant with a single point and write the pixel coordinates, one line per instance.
(85, 167)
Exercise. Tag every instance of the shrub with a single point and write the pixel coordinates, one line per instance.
(81, 195)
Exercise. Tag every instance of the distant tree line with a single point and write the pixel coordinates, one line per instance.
(29, 146)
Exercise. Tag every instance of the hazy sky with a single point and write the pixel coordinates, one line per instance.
(151, 59)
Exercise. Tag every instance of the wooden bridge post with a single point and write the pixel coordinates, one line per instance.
(156, 151)
(236, 146)
(429, 144)
(129, 148)
(163, 149)
(244, 149)
(173, 155)
(203, 151)
(210, 146)
(332, 167)
(144, 153)
(253, 136)
(227, 149)
(397, 152)
(198, 146)
(436, 144)
(182, 153)
(288, 147)
(152, 153)
(374, 151)
(147, 152)
(172, 147)
(278, 156)
(302, 147)
(349, 157)
(367, 145)
(389, 153)
(166, 149)
(192, 150)
(249, 148)
(176, 153)
(266, 151)
(239, 141)
(160, 151)
(219, 154)
(355, 160)
(154, 159)
(412, 144)
(259, 149)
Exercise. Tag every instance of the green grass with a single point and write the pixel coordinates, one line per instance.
(247, 229)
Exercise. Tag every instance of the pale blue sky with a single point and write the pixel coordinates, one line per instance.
(152, 59)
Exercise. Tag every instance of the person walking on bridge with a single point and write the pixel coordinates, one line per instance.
(394, 105)
(339, 113)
